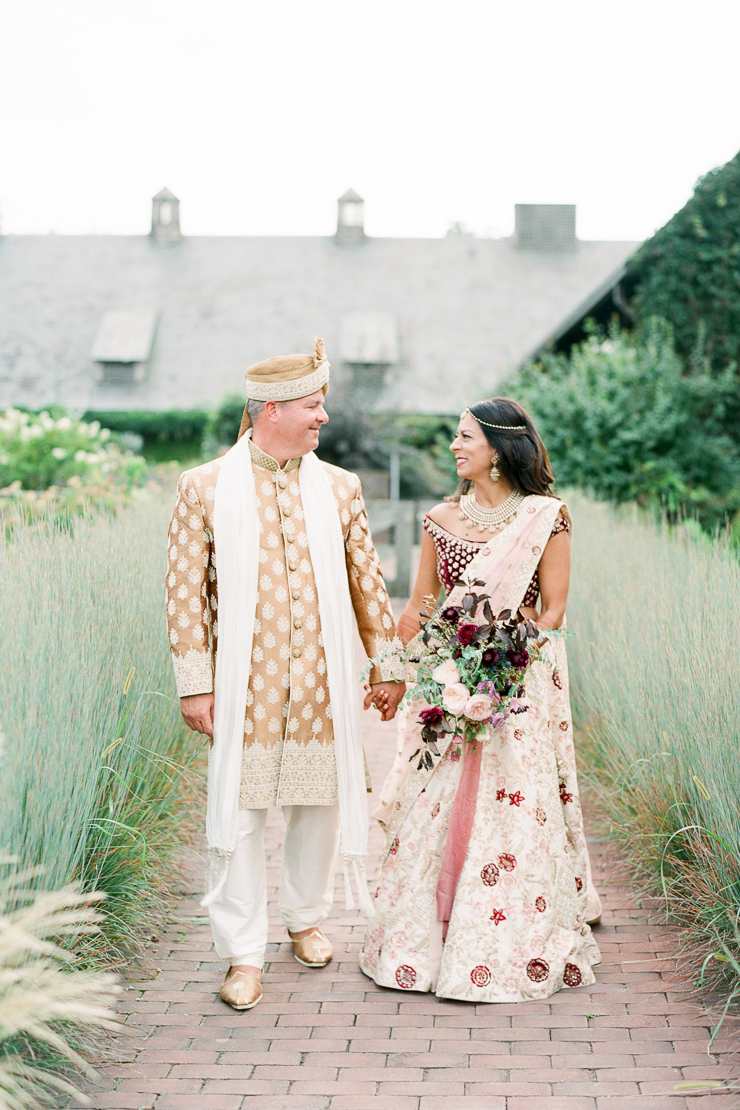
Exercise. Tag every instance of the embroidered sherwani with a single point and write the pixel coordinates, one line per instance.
(288, 736)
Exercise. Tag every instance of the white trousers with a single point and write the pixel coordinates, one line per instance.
(239, 916)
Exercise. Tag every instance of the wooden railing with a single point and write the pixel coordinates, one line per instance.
(401, 521)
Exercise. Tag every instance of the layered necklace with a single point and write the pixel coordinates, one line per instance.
(489, 520)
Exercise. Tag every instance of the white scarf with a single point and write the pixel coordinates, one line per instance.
(237, 539)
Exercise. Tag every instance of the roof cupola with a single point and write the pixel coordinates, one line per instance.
(165, 217)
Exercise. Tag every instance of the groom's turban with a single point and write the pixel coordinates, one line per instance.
(286, 378)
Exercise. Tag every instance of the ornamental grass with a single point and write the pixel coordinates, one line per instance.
(48, 1006)
(94, 772)
(655, 669)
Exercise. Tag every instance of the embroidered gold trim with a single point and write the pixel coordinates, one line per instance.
(288, 391)
(261, 458)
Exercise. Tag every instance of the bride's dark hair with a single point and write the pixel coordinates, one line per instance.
(522, 458)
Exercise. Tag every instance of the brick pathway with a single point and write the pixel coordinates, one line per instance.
(332, 1040)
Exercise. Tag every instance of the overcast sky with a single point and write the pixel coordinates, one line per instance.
(258, 115)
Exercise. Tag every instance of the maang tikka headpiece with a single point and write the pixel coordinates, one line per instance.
(499, 427)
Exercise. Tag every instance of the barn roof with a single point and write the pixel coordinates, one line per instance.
(446, 318)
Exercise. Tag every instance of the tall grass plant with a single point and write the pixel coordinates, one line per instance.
(656, 688)
(48, 1005)
(93, 775)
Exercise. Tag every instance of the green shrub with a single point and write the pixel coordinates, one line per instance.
(38, 451)
(222, 426)
(623, 418)
(688, 273)
(95, 747)
(656, 688)
(172, 435)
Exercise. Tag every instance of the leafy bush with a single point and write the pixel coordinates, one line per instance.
(688, 273)
(174, 434)
(39, 451)
(222, 426)
(622, 417)
(656, 688)
(95, 749)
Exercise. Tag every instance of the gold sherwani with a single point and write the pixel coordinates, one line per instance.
(288, 735)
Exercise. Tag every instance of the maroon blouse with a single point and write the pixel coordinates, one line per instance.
(454, 554)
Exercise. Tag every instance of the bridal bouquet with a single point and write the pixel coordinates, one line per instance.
(470, 673)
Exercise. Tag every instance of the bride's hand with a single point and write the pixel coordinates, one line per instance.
(385, 696)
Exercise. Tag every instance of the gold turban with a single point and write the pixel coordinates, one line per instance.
(286, 378)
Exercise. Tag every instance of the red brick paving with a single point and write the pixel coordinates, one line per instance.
(332, 1040)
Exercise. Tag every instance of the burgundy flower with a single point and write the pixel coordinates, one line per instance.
(518, 659)
(490, 657)
(465, 633)
(432, 716)
(451, 614)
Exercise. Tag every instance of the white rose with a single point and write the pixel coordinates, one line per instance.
(446, 673)
(478, 707)
(454, 698)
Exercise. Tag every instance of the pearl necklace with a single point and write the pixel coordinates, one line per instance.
(489, 520)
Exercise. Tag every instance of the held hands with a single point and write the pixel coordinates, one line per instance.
(385, 696)
(197, 712)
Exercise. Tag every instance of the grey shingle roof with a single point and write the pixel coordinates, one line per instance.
(466, 311)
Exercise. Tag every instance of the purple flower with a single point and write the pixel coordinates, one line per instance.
(518, 659)
(465, 633)
(490, 657)
(432, 716)
(451, 614)
(490, 689)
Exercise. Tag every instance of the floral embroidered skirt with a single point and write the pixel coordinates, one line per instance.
(517, 929)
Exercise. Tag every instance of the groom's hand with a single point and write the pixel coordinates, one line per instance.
(385, 696)
(197, 712)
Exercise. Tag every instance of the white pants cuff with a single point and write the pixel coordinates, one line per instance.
(239, 917)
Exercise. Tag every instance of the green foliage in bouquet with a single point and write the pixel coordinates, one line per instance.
(470, 672)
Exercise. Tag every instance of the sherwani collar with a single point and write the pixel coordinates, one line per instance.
(261, 458)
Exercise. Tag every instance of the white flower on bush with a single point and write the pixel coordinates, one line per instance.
(455, 698)
(478, 707)
(64, 424)
(59, 453)
(446, 673)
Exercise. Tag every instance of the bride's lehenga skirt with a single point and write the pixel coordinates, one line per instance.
(518, 927)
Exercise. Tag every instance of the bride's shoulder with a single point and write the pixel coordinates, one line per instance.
(444, 514)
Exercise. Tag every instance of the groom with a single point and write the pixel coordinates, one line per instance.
(270, 556)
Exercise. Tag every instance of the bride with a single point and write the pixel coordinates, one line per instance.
(497, 910)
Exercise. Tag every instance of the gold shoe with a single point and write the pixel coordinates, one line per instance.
(313, 950)
(241, 990)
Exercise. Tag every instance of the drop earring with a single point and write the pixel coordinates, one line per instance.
(494, 469)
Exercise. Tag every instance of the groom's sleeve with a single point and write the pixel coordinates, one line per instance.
(190, 592)
(369, 595)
